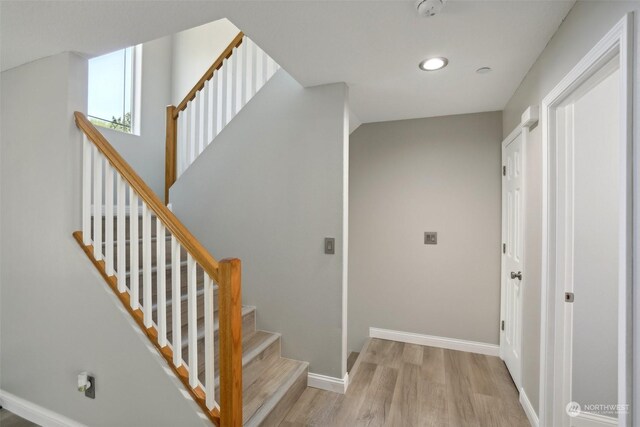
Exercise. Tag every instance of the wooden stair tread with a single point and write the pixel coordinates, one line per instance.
(265, 392)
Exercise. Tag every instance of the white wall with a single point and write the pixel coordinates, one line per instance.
(406, 177)
(268, 190)
(194, 51)
(584, 26)
(145, 152)
(57, 316)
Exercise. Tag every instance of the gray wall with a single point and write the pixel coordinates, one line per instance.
(584, 26)
(407, 177)
(145, 152)
(268, 190)
(57, 316)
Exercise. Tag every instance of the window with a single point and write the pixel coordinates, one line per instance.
(114, 90)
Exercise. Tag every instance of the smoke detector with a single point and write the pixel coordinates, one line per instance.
(429, 7)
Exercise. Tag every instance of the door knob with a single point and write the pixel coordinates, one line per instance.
(517, 275)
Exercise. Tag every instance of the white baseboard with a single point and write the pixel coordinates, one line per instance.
(433, 341)
(586, 419)
(528, 409)
(323, 382)
(35, 413)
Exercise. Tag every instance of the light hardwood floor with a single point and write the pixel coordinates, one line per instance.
(397, 384)
(8, 419)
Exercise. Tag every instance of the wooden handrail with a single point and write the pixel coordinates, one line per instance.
(171, 152)
(168, 219)
(237, 41)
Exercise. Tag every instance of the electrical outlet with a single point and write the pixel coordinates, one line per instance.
(91, 391)
(430, 238)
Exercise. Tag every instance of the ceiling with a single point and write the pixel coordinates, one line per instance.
(373, 46)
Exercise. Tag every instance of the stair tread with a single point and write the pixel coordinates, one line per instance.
(252, 346)
(261, 395)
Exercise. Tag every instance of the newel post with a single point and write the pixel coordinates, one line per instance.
(230, 318)
(171, 151)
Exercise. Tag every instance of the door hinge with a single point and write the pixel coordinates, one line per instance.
(502, 325)
(504, 248)
(504, 171)
(568, 297)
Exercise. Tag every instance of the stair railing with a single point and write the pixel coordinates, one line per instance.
(107, 182)
(231, 81)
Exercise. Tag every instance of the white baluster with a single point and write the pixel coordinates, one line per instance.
(245, 71)
(216, 102)
(223, 89)
(234, 83)
(231, 94)
(205, 120)
(97, 204)
(176, 301)
(192, 321)
(108, 213)
(134, 243)
(211, 115)
(259, 66)
(265, 66)
(122, 236)
(197, 127)
(161, 242)
(183, 129)
(86, 191)
(147, 303)
(209, 350)
(190, 134)
(254, 68)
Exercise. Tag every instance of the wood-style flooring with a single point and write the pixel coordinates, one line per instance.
(8, 419)
(397, 384)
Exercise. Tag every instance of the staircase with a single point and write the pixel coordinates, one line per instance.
(270, 382)
(186, 302)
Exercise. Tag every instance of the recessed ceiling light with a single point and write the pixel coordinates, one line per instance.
(484, 70)
(433, 64)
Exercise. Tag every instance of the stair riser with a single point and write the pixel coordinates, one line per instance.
(261, 361)
(154, 251)
(168, 282)
(292, 395)
(127, 227)
(248, 327)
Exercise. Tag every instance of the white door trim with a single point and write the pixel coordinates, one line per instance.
(529, 119)
(617, 41)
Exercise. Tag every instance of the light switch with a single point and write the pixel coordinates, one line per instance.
(329, 245)
(430, 238)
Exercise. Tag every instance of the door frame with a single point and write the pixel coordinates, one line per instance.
(522, 130)
(618, 41)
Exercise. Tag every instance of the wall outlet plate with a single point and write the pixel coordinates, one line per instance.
(91, 392)
(430, 238)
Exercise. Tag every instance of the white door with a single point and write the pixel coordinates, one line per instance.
(589, 124)
(512, 254)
